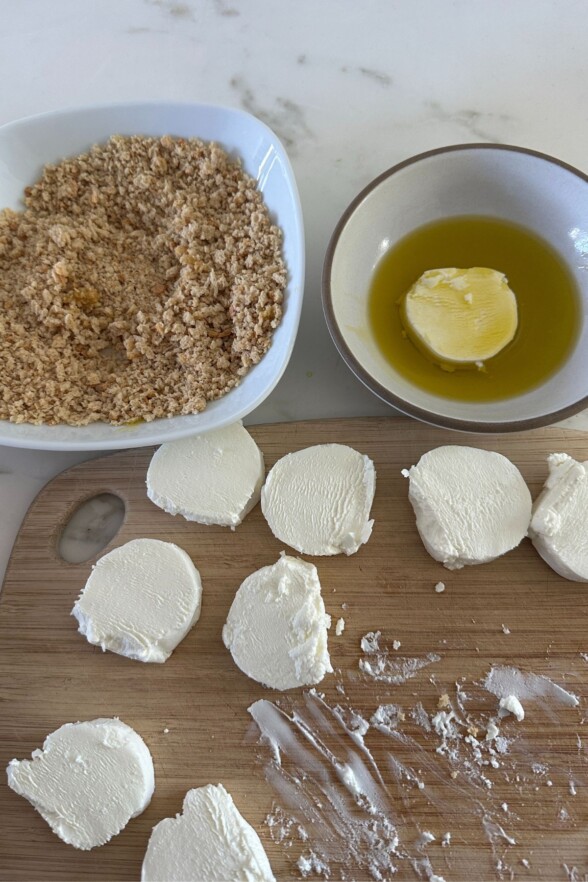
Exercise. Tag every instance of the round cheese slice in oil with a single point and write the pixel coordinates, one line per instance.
(460, 317)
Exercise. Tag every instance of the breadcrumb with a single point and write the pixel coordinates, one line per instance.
(142, 280)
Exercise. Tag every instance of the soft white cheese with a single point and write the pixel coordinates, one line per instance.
(460, 316)
(276, 629)
(424, 839)
(318, 500)
(214, 478)
(340, 627)
(141, 600)
(209, 842)
(492, 731)
(88, 780)
(558, 527)
(512, 705)
(471, 505)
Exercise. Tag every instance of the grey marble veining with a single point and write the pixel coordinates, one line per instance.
(175, 10)
(377, 76)
(478, 125)
(285, 117)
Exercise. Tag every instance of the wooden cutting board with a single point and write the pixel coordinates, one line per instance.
(50, 675)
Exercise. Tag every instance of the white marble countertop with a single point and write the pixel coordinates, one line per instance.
(351, 88)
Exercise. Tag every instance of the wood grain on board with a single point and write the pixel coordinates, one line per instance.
(50, 675)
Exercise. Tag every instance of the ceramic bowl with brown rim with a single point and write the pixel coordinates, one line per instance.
(536, 192)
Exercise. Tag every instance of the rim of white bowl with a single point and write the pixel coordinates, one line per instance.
(382, 392)
(153, 438)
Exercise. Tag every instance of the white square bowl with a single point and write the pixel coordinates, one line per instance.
(28, 144)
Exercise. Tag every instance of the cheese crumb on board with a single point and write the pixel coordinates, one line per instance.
(558, 525)
(512, 705)
(440, 587)
(213, 478)
(276, 629)
(471, 505)
(492, 731)
(210, 840)
(140, 600)
(424, 839)
(318, 500)
(340, 627)
(88, 780)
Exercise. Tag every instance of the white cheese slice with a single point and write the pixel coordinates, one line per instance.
(276, 629)
(214, 478)
(559, 526)
(318, 500)
(88, 780)
(461, 316)
(209, 842)
(141, 600)
(471, 505)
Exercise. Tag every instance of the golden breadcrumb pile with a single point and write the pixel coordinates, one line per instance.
(142, 280)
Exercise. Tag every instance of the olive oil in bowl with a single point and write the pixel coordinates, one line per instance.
(547, 301)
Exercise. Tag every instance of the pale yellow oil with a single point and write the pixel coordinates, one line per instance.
(547, 299)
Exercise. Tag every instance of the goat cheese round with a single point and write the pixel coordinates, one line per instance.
(276, 629)
(87, 781)
(471, 505)
(318, 500)
(141, 600)
(558, 528)
(461, 316)
(214, 478)
(209, 841)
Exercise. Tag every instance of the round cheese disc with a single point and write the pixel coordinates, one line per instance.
(471, 505)
(461, 316)
(276, 629)
(558, 528)
(88, 780)
(209, 841)
(141, 600)
(214, 478)
(318, 500)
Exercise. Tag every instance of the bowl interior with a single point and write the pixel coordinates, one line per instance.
(528, 189)
(27, 145)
